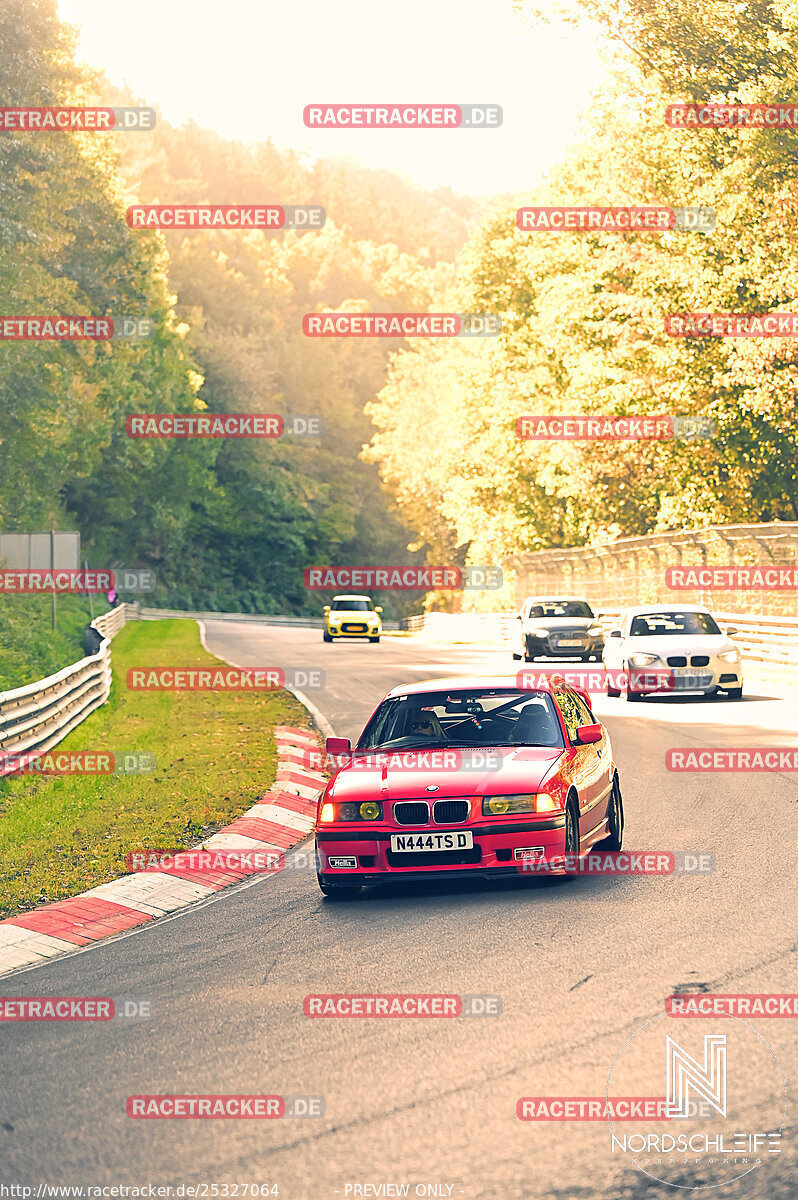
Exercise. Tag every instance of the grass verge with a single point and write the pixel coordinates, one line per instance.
(214, 753)
(30, 648)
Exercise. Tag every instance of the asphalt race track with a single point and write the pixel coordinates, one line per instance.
(579, 966)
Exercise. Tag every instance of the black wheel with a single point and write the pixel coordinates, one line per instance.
(611, 691)
(528, 656)
(615, 820)
(628, 694)
(735, 693)
(517, 657)
(571, 835)
(374, 639)
(340, 891)
(327, 636)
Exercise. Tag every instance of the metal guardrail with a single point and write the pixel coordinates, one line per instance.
(38, 716)
(164, 614)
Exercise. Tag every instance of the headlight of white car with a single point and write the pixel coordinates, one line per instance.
(539, 632)
(594, 629)
(643, 660)
(730, 655)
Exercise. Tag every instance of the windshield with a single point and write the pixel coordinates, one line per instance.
(476, 717)
(657, 624)
(351, 606)
(560, 608)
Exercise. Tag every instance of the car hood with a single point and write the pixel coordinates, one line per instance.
(666, 645)
(407, 774)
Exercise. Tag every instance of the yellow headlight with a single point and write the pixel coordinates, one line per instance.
(327, 812)
(497, 805)
(545, 803)
(370, 811)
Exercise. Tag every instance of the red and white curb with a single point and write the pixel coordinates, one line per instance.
(282, 817)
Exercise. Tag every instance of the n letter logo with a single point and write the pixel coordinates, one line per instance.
(707, 1081)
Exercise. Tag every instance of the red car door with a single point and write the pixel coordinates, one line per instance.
(589, 766)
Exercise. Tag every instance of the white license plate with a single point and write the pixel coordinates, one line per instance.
(415, 842)
(570, 642)
(687, 678)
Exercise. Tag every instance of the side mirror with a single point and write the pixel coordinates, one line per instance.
(586, 734)
(326, 608)
(378, 608)
(731, 630)
(615, 633)
(336, 745)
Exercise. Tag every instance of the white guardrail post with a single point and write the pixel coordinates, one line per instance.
(38, 716)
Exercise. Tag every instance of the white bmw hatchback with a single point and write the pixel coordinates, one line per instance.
(682, 649)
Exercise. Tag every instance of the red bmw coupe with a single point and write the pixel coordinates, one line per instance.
(457, 777)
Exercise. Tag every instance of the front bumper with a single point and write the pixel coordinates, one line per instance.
(551, 647)
(496, 850)
(358, 633)
(717, 675)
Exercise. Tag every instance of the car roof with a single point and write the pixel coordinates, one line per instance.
(350, 596)
(556, 599)
(462, 683)
(657, 608)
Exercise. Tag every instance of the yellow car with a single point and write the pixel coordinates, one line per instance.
(352, 617)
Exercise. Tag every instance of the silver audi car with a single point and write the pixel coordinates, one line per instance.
(557, 627)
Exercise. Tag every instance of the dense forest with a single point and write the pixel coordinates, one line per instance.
(584, 313)
(418, 460)
(225, 524)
